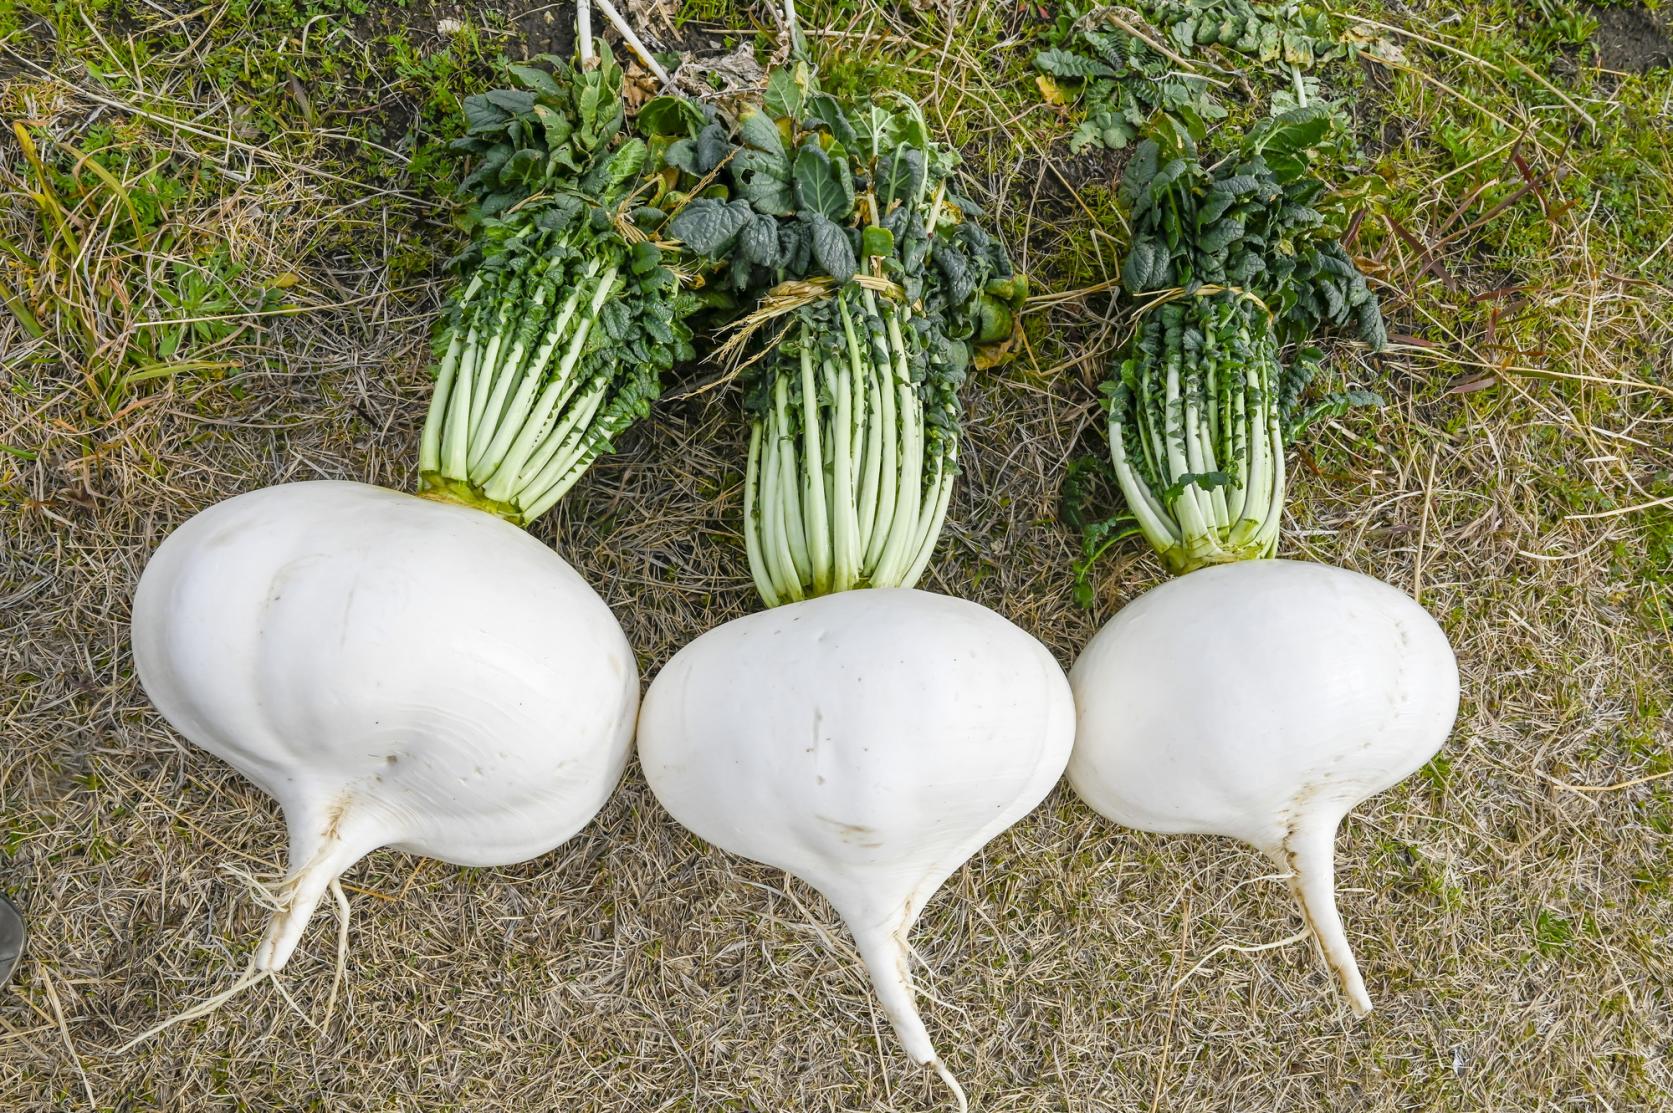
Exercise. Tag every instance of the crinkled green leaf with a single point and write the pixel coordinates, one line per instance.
(758, 242)
(764, 180)
(482, 115)
(708, 226)
(713, 145)
(831, 248)
(899, 178)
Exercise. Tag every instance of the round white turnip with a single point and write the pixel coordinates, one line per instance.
(1263, 700)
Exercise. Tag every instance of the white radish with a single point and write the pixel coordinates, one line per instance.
(415, 671)
(1263, 700)
(868, 742)
(395, 671)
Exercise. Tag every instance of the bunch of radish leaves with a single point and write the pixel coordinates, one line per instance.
(1122, 66)
(570, 305)
(867, 289)
(1235, 270)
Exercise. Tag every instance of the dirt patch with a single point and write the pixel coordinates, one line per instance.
(547, 29)
(534, 28)
(1632, 40)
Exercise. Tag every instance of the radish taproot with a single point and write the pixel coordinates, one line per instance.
(868, 741)
(416, 671)
(1184, 728)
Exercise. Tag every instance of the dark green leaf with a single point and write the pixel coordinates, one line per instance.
(1146, 267)
(525, 168)
(955, 268)
(513, 101)
(682, 155)
(623, 165)
(713, 145)
(769, 195)
(645, 257)
(537, 80)
(1333, 406)
(826, 110)
(669, 116)
(482, 115)
(899, 178)
(831, 248)
(758, 242)
(708, 226)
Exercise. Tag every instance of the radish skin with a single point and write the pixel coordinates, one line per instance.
(1263, 700)
(868, 742)
(395, 671)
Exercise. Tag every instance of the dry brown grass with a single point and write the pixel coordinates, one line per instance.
(1512, 927)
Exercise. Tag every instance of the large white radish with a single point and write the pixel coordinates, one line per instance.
(417, 672)
(1263, 700)
(394, 670)
(868, 742)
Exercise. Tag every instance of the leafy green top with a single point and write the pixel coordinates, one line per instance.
(1259, 222)
(1124, 64)
(811, 188)
(558, 172)
(563, 193)
(558, 130)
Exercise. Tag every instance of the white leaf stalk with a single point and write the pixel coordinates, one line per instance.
(888, 735)
(849, 475)
(1263, 700)
(584, 32)
(1195, 436)
(527, 393)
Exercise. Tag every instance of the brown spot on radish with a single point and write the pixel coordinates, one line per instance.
(848, 832)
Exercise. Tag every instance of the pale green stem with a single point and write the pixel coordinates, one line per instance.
(429, 449)
(454, 445)
(935, 517)
(752, 519)
(844, 520)
(485, 461)
(788, 505)
(534, 429)
(515, 372)
(553, 458)
(813, 506)
(892, 439)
